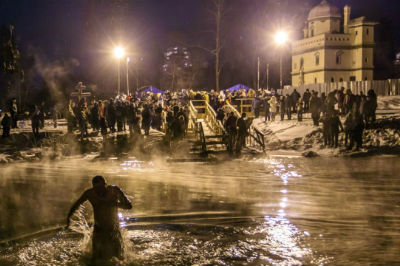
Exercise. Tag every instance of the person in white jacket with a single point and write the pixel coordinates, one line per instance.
(273, 104)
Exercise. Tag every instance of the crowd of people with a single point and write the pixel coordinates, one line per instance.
(169, 112)
(162, 112)
(356, 110)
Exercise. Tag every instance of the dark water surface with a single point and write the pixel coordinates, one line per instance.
(273, 210)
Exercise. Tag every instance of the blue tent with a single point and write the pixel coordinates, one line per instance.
(152, 90)
(238, 87)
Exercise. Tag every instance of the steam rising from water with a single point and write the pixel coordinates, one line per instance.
(57, 76)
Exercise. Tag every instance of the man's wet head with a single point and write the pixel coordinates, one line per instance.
(99, 184)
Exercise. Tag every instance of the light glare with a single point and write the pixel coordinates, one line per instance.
(119, 52)
(281, 37)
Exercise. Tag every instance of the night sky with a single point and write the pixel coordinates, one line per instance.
(85, 30)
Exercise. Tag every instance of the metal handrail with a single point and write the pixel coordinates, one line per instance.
(259, 138)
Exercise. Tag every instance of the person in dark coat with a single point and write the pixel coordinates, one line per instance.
(340, 99)
(326, 128)
(334, 127)
(306, 100)
(94, 116)
(373, 103)
(256, 103)
(35, 119)
(157, 121)
(314, 108)
(42, 115)
(119, 114)
(6, 123)
(299, 106)
(146, 119)
(230, 127)
(289, 105)
(241, 133)
(267, 114)
(357, 129)
(294, 98)
(13, 112)
(220, 114)
(110, 116)
(349, 100)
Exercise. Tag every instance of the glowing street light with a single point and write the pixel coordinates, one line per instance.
(281, 38)
(119, 52)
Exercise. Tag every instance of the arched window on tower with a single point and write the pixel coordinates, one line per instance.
(312, 31)
(301, 63)
(316, 59)
(339, 57)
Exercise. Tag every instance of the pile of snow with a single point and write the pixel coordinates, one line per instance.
(389, 103)
(278, 132)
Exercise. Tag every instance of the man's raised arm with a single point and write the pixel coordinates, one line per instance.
(75, 206)
(123, 201)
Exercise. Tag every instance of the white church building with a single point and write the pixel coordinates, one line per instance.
(335, 48)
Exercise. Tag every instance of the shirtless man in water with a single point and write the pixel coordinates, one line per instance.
(105, 201)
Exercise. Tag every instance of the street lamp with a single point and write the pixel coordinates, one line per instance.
(119, 52)
(281, 37)
(127, 75)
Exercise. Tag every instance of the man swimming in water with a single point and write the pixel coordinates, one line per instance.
(107, 240)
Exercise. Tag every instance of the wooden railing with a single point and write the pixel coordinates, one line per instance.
(244, 105)
(200, 107)
(234, 110)
(212, 121)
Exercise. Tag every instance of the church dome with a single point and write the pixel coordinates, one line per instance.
(324, 10)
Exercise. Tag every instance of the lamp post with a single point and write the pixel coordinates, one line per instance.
(281, 37)
(119, 52)
(127, 75)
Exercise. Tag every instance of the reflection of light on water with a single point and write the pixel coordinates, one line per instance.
(137, 166)
(122, 223)
(280, 170)
(131, 165)
(283, 238)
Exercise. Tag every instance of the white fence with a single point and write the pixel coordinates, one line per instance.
(381, 87)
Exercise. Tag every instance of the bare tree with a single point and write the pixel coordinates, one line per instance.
(217, 13)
